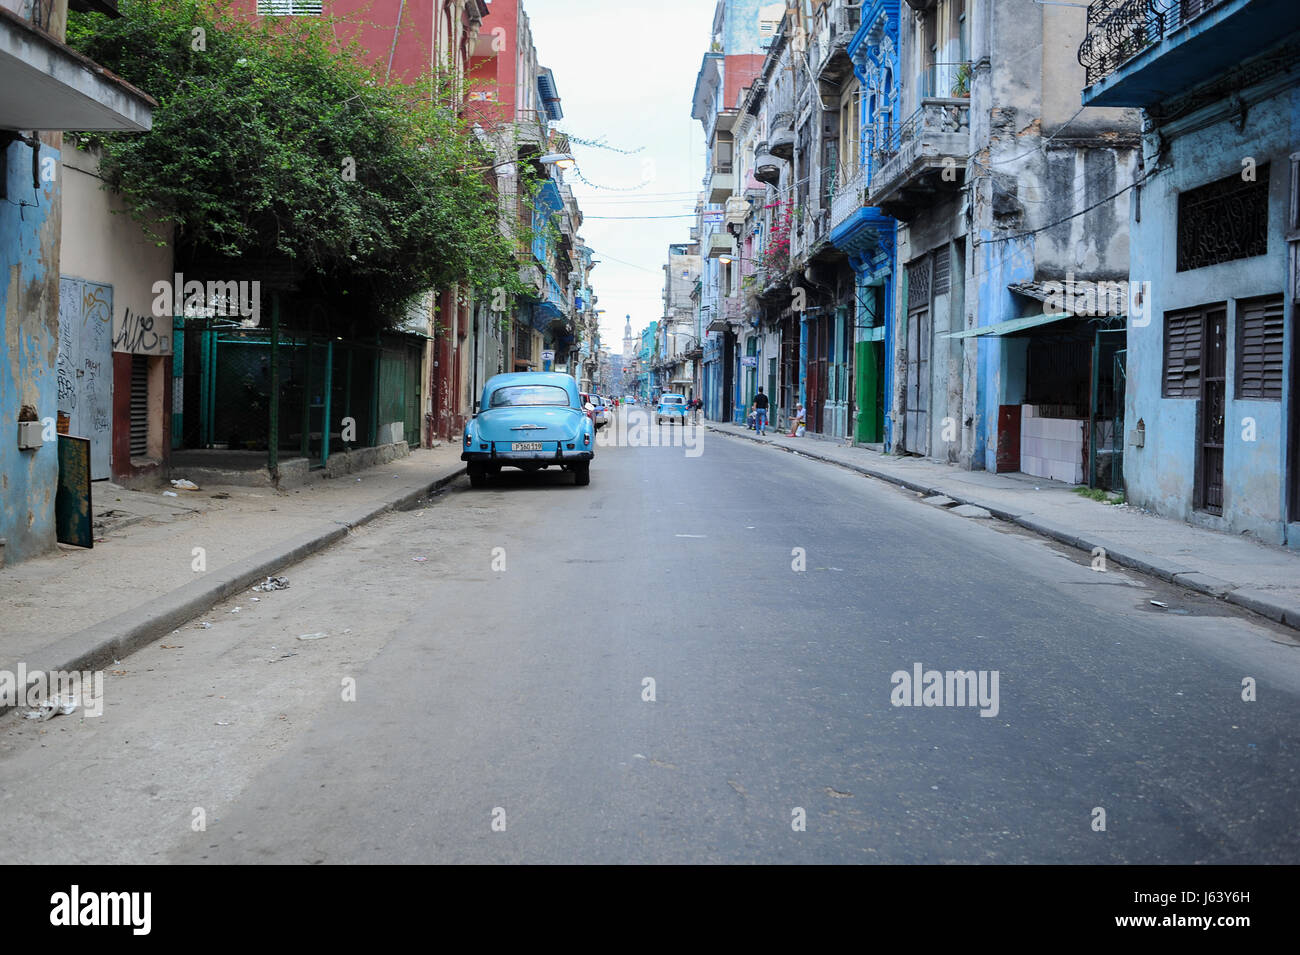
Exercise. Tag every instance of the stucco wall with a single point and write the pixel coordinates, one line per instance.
(29, 264)
(101, 243)
(1161, 475)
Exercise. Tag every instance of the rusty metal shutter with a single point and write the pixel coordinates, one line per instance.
(1183, 335)
(139, 406)
(1259, 349)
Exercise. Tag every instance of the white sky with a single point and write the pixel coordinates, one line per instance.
(625, 71)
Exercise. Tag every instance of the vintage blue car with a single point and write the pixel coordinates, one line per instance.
(671, 407)
(529, 420)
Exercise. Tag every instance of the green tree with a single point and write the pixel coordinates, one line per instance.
(270, 145)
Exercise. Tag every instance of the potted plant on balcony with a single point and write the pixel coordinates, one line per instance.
(961, 82)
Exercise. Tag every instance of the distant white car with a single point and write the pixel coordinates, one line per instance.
(602, 410)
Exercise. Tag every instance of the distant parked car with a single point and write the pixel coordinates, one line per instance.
(671, 407)
(630, 399)
(530, 420)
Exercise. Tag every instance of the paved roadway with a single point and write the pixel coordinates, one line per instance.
(514, 692)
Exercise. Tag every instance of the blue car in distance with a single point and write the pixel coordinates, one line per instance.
(672, 407)
(529, 420)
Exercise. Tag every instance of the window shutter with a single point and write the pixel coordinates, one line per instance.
(942, 261)
(1183, 334)
(139, 406)
(1259, 349)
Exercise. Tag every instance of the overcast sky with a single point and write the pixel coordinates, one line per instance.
(625, 71)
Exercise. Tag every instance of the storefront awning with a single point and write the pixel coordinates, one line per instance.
(1102, 302)
(1006, 328)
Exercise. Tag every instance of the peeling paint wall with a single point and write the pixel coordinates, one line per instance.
(30, 226)
(1161, 474)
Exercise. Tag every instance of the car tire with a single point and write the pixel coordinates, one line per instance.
(477, 476)
(582, 474)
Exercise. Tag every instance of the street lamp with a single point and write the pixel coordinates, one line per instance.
(558, 160)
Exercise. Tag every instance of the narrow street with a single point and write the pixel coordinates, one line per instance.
(503, 679)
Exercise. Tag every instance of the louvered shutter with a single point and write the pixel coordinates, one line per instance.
(1259, 349)
(1183, 334)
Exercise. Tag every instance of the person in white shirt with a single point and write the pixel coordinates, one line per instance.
(796, 420)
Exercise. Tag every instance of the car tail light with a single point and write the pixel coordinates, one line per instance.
(586, 439)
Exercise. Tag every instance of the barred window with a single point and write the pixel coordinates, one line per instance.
(1184, 335)
(1223, 221)
(1259, 348)
(289, 8)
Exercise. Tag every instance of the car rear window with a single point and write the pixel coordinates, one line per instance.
(514, 396)
(671, 399)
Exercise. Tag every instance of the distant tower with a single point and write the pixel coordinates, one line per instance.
(630, 345)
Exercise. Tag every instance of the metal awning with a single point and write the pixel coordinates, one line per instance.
(1006, 328)
(1053, 297)
(44, 84)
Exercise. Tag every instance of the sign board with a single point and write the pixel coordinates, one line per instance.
(548, 355)
(73, 517)
(748, 361)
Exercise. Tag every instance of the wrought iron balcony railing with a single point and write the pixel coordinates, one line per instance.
(846, 193)
(1118, 30)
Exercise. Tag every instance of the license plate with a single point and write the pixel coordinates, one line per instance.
(526, 446)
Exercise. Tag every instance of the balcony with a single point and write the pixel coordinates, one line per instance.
(921, 159)
(846, 198)
(530, 127)
(767, 168)
(831, 45)
(1143, 52)
(721, 243)
(721, 183)
(737, 210)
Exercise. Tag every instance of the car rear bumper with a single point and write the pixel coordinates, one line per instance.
(561, 455)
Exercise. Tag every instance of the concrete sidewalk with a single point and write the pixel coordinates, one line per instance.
(78, 609)
(1259, 577)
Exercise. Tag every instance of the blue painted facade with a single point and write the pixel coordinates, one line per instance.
(29, 345)
(1252, 121)
(868, 236)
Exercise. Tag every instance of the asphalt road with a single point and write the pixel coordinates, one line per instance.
(501, 708)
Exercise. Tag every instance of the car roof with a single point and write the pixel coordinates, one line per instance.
(553, 378)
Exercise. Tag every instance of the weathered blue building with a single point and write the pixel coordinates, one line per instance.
(47, 87)
(865, 234)
(1212, 421)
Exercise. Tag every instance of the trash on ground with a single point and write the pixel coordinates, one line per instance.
(237, 609)
(313, 636)
(273, 583)
(1159, 603)
(184, 485)
(204, 625)
(64, 705)
(256, 599)
(222, 723)
(419, 560)
(170, 494)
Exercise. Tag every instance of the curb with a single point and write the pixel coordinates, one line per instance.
(1257, 601)
(115, 638)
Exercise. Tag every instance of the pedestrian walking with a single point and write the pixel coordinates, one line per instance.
(760, 411)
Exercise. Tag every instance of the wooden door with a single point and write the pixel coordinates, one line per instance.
(1209, 474)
